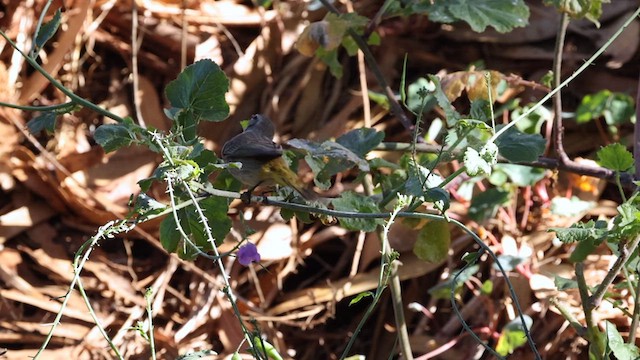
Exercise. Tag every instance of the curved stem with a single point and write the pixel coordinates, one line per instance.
(570, 78)
(625, 253)
(63, 107)
(75, 98)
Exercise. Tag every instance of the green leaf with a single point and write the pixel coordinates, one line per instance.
(434, 240)
(146, 206)
(361, 141)
(354, 202)
(45, 121)
(185, 169)
(583, 249)
(473, 133)
(330, 58)
(592, 106)
(621, 109)
(169, 235)
(503, 15)
(516, 146)
(513, 336)
(420, 179)
(627, 223)
(615, 157)
(628, 215)
(480, 110)
(206, 160)
(47, 30)
(454, 281)
(114, 136)
(378, 163)
(198, 355)
(202, 156)
(193, 227)
(374, 39)
(263, 347)
(452, 116)
(598, 348)
(470, 258)
(420, 96)
(532, 123)
(327, 159)
(379, 98)
(594, 230)
(215, 209)
(521, 175)
(487, 287)
(146, 183)
(621, 350)
(616, 108)
(509, 262)
(577, 9)
(439, 197)
(360, 296)
(485, 205)
(200, 88)
(350, 45)
(186, 124)
(564, 284)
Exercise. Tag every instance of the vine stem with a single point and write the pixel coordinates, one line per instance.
(636, 310)
(75, 98)
(558, 130)
(625, 253)
(542, 162)
(582, 68)
(387, 272)
(217, 259)
(636, 134)
(79, 260)
(592, 329)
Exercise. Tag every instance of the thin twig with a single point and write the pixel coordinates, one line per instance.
(542, 162)
(587, 307)
(558, 130)
(80, 259)
(375, 21)
(625, 253)
(148, 297)
(99, 326)
(575, 74)
(396, 108)
(75, 98)
(135, 47)
(568, 315)
(636, 309)
(34, 50)
(636, 133)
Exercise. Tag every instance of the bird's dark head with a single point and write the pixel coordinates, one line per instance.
(262, 125)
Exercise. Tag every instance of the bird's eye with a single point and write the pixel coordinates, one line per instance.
(253, 120)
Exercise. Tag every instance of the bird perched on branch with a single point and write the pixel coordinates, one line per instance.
(261, 158)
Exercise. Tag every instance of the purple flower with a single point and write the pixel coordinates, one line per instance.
(248, 254)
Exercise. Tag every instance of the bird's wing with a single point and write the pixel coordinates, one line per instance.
(250, 145)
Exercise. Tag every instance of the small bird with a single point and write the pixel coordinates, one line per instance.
(261, 158)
